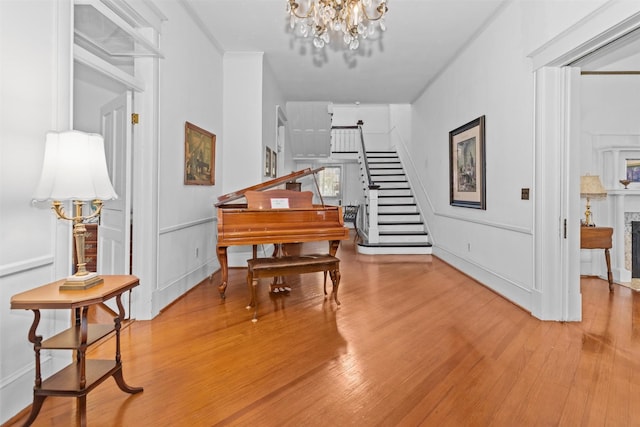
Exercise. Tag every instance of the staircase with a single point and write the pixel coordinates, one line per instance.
(400, 226)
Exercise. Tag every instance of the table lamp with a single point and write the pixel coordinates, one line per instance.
(591, 188)
(75, 169)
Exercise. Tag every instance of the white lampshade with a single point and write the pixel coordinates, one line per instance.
(74, 168)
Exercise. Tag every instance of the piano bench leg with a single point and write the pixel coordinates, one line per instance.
(253, 285)
(259, 268)
(335, 279)
(324, 285)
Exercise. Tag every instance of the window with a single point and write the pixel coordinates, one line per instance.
(329, 181)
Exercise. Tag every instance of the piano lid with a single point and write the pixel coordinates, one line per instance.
(226, 198)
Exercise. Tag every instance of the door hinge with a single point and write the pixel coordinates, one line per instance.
(565, 228)
(134, 118)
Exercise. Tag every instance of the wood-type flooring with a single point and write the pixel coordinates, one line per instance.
(414, 343)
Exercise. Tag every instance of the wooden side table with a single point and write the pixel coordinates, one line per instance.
(79, 378)
(599, 238)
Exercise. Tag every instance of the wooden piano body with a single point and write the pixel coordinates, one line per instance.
(275, 216)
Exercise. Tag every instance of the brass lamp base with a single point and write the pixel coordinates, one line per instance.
(80, 283)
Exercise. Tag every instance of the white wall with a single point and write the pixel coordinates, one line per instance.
(271, 97)
(610, 111)
(35, 88)
(243, 145)
(191, 90)
(491, 77)
(375, 117)
(35, 97)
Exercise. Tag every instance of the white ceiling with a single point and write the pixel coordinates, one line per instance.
(422, 37)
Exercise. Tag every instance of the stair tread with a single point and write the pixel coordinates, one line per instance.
(402, 223)
(398, 213)
(402, 233)
(391, 245)
(396, 204)
(387, 172)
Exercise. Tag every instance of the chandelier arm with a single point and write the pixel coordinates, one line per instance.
(346, 16)
(293, 5)
(378, 9)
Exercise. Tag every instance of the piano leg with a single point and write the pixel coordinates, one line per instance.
(221, 251)
(333, 247)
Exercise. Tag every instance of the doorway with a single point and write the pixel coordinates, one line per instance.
(102, 76)
(556, 289)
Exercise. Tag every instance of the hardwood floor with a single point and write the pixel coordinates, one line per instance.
(414, 343)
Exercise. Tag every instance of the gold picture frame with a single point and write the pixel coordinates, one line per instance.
(199, 156)
(267, 161)
(274, 164)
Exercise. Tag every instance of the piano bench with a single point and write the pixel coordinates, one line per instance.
(287, 265)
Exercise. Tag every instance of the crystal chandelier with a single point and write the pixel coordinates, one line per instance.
(354, 19)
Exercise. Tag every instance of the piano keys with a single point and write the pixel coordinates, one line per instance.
(275, 216)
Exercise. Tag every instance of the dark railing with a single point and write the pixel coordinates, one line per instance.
(372, 185)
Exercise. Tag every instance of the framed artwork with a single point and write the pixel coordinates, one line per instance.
(633, 170)
(467, 173)
(274, 163)
(199, 156)
(267, 161)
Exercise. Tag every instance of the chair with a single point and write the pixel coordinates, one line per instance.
(350, 215)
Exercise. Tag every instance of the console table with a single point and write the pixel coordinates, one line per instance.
(80, 377)
(598, 238)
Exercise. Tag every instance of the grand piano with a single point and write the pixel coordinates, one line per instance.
(271, 215)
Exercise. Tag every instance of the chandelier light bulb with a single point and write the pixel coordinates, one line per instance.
(355, 19)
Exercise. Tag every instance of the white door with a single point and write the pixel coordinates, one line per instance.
(114, 234)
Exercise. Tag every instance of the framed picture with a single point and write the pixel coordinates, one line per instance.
(467, 165)
(274, 164)
(633, 170)
(267, 161)
(199, 156)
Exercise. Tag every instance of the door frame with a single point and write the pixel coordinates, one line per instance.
(556, 294)
(144, 82)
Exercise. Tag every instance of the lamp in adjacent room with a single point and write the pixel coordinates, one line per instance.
(591, 188)
(75, 169)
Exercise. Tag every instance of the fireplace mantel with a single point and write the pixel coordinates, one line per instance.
(621, 203)
(606, 155)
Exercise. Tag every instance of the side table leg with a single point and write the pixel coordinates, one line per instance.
(35, 409)
(82, 410)
(607, 258)
(117, 375)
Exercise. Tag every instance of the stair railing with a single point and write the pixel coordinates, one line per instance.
(344, 140)
(370, 216)
(363, 153)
